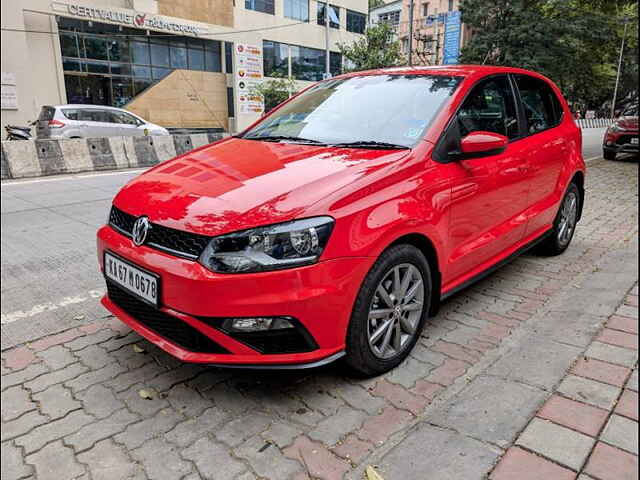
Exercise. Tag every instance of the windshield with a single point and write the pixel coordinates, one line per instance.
(631, 111)
(385, 109)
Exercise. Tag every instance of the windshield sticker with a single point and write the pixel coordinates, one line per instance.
(412, 133)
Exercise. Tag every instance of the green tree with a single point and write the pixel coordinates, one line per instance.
(570, 41)
(379, 48)
(275, 91)
(375, 4)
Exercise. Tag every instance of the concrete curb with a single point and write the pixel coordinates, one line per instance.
(38, 158)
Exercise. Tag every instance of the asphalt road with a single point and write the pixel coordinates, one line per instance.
(50, 279)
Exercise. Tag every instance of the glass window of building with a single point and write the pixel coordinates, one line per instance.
(159, 53)
(107, 64)
(297, 9)
(212, 56)
(392, 18)
(451, 5)
(425, 9)
(178, 48)
(275, 59)
(119, 50)
(96, 48)
(140, 52)
(228, 57)
(334, 15)
(356, 21)
(306, 63)
(264, 6)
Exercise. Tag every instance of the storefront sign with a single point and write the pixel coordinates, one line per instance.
(248, 75)
(9, 92)
(134, 19)
(452, 29)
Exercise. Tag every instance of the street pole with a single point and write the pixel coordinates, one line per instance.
(615, 90)
(327, 60)
(436, 60)
(410, 32)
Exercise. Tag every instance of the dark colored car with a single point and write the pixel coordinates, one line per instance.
(622, 135)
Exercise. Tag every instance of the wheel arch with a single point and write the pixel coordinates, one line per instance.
(426, 246)
(578, 179)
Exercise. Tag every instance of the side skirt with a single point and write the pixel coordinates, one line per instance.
(496, 266)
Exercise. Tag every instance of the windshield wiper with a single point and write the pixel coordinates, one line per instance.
(371, 144)
(280, 138)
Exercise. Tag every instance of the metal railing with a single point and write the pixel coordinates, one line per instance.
(594, 122)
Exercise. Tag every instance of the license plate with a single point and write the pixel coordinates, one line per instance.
(634, 141)
(141, 283)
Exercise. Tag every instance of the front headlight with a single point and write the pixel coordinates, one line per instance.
(615, 127)
(284, 245)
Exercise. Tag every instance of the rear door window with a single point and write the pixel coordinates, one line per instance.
(93, 115)
(542, 109)
(124, 118)
(71, 113)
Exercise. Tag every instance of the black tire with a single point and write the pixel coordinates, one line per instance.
(608, 155)
(554, 244)
(360, 357)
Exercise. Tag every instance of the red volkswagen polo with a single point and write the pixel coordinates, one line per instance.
(335, 225)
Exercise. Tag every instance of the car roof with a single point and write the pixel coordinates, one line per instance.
(86, 106)
(453, 70)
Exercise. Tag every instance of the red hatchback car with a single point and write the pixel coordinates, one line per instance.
(336, 224)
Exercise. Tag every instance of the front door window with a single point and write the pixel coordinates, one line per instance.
(491, 108)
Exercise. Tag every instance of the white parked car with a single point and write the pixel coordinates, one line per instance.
(90, 121)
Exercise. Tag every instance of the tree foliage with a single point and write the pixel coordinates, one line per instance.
(379, 48)
(275, 91)
(375, 4)
(573, 42)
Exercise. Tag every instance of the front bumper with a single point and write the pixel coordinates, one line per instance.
(320, 297)
(620, 142)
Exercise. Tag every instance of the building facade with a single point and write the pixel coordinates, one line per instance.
(181, 64)
(390, 13)
(438, 33)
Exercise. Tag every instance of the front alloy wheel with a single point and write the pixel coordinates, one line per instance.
(389, 312)
(396, 309)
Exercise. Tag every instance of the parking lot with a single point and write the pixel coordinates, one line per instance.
(84, 397)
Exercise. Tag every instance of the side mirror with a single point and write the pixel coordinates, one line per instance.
(478, 144)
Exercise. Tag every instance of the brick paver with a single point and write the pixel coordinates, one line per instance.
(589, 427)
(522, 465)
(73, 398)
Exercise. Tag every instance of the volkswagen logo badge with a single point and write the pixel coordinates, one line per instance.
(140, 230)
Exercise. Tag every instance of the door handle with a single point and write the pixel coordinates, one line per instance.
(523, 169)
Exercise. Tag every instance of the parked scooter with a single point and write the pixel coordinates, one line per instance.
(15, 132)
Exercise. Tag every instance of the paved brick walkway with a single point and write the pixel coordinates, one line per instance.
(588, 428)
(72, 405)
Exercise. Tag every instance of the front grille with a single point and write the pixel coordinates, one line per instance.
(167, 326)
(625, 139)
(176, 242)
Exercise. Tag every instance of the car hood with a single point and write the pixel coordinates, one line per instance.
(628, 123)
(237, 184)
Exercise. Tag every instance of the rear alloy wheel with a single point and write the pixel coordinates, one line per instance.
(564, 225)
(390, 311)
